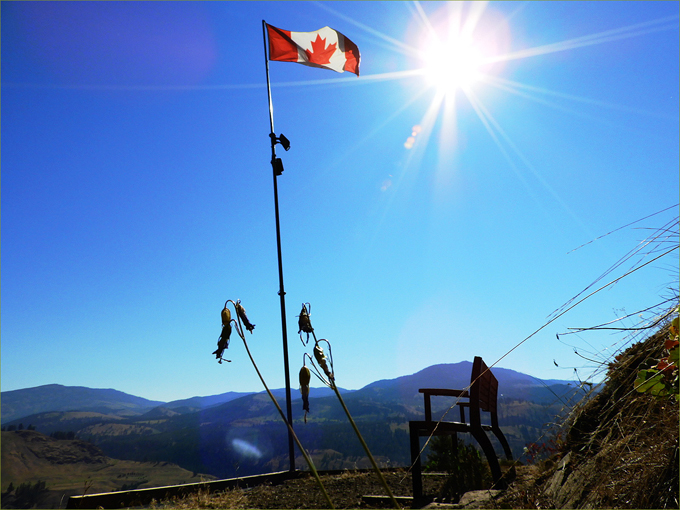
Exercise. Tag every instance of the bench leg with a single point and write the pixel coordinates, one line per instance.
(490, 453)
(416, 473)
(501, 437)
(504, 443)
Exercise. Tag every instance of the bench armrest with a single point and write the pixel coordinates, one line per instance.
(440, 392)
(443, 392)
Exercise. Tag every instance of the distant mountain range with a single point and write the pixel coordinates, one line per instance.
(17, 404)
(241, 433)
(21, 403)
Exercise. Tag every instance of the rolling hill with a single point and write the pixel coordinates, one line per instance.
(70, 467)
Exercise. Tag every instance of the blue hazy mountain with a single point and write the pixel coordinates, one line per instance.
(55, 397)
(22, 403)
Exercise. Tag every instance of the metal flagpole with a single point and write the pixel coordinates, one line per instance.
(277, 168)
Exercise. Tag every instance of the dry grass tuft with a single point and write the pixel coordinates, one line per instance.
(234, 498)
(622, 445)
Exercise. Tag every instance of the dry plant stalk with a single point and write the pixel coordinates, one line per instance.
(329, 381)
(241, 316)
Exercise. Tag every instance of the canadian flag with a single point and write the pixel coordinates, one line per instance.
(325, 48)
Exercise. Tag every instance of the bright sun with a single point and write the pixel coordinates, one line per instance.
(452, 65)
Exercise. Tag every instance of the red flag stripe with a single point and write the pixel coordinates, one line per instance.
(281, 46)
(351, 55)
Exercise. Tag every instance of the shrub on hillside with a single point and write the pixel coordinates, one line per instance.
(26, 495)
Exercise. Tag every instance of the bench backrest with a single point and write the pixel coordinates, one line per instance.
(484, 386)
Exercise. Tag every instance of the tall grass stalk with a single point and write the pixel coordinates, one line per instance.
(368, 452)
(330, 382)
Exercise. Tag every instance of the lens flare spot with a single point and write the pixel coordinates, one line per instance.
(411, 140)
(246, 449)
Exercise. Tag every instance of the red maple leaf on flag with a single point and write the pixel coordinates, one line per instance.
(320, 54)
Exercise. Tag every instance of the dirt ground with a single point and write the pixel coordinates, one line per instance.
(346, 490)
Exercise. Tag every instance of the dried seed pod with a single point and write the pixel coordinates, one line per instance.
(226, 316)
(242, 315)
(305, 377)
(304, 323)
(223, 341)
(321, 360)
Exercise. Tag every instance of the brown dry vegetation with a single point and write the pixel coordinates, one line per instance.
(620, 450)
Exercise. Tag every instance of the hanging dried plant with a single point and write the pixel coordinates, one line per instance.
(322, 361)
(241, 312)
(305, 377)
(305, 323)
(223, 340)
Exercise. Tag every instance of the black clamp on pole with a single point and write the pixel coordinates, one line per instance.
(277, 164)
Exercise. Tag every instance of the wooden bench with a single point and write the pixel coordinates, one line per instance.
(481, 396)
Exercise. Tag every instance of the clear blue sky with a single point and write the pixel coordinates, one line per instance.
(137, 192)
